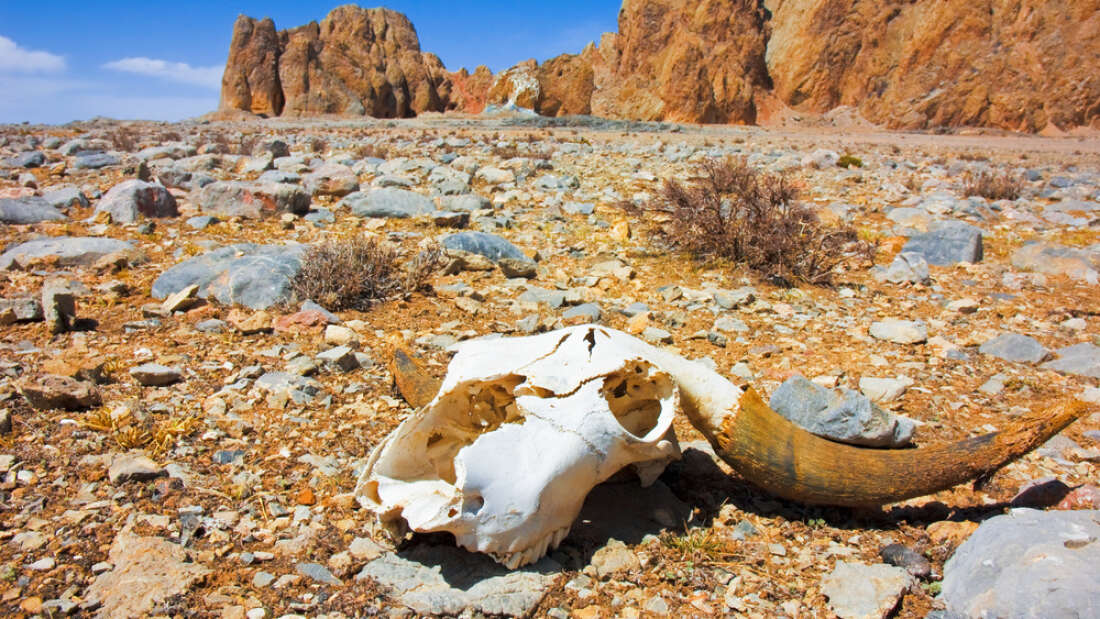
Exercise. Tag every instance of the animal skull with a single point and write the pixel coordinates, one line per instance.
(523, 428)
(506, 453)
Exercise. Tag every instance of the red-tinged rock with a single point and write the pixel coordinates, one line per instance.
(306, 497)
(305, 321)
(52, 391)
(1082, 497)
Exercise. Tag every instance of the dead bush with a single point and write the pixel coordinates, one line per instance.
(359, 272)
(376, 151)
(123, 139)
(992, 186)
(318, 145)
(735, 212)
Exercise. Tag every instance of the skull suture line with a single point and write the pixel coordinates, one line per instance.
(523, 428)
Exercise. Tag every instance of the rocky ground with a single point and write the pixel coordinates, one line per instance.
(177, 440)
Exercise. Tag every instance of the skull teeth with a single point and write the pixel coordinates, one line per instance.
(533, 553)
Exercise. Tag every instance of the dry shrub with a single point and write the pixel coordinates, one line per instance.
(318, 145)
(992, 186)
(359, 272)
(735, 212)
(123, 139)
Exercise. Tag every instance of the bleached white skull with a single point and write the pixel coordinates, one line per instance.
(519, 433)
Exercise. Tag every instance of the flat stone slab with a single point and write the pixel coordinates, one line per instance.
(845, 416)
(947, 243)
(252, 200)
(255, 276)
(1014, 347)
(70, 250)
(388, 202)
(445, 580)
(858, 591)
(29, 210)
(491, 246)
(1080, 359)
(1052, 259)
(1027, 563)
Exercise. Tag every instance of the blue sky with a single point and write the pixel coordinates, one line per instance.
(163, 60)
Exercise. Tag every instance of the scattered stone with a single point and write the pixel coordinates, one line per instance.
(1080, 360)
(907, 268)
(513, 267)
(860, 591)
(95, 161)
(50, 391)
(252, 200)
(340, 358)
(1052, 259)
(1083, 497)
(365, 549)
(491, 246)
(844, 416)
(181, 301)
(388, 202)
(1043, 562)
(317, 573)
(58, 306)
(28, 210)
(133, 467)
(64, 198)
(882, 390)
(331, 180)
(584, 313)
(147, 571)
(155, 375)
(900, 331)
(128, 200)
(255, 276)
(292, 387)
(615, 558)
(21, 310)
(1014, 347)
(947, 243)
(341, 336)
(904, 557)
(444, 580)
(69, 251)
(732, 299)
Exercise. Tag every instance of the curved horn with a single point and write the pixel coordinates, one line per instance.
(786, 460)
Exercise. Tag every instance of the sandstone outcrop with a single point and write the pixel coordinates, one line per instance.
(1015, 64)
(355, 62)
(1025, 65)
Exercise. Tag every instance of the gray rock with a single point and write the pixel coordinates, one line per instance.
(70, 251)
(732, 299)
(900, 331)
(579, 208)
(279, 176)
(29, 210)
(884, 389)
(262, 579)
(23, 309)
(201, 222)
(318, 573)
(252, 200)
(614, 558)
(340, 358)
(331, 180)
(1052, 259)
(1027, 563)
(634, 309)
(655, 335)
(844, 416)
(29, 159)
(512, 267)
(169, 150)
(64, 198)
(130, 199)
(551, 298)
(255, 276)
(451, 219)
(133, 467)
(590, 312)
(320, 216)
(465, 203)
(444, 580)
(491, 246)
(155, 375)
(95, 161)
(310, 306)
(858, 591)
(299, 389)
(272, 146)
(58, 306)
(1080, 359)
(947, 243)
(1014, 347)
(388, 202)
(908, 267)
(906, 558)
(550, 182)
(212, 325)
(50, 391)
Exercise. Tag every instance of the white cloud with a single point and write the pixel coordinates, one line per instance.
(206, 77)
(15, 58)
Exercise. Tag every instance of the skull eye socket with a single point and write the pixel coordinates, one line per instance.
(634, 396)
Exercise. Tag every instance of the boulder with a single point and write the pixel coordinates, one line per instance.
(843, 416)
(491, 246)
(388, 202)
(1042, 564)
(65, 197)
(69, 251)
(130, 199)
(331, 180)
(28, 210)
(1053, 259)
(1014, 347)
(252, 200)
(1080, 360)
(947, 243)
(255, 276)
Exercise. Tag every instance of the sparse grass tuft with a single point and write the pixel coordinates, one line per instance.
(736, 212)
(992, 186)
(849, 161)
(357, 273)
